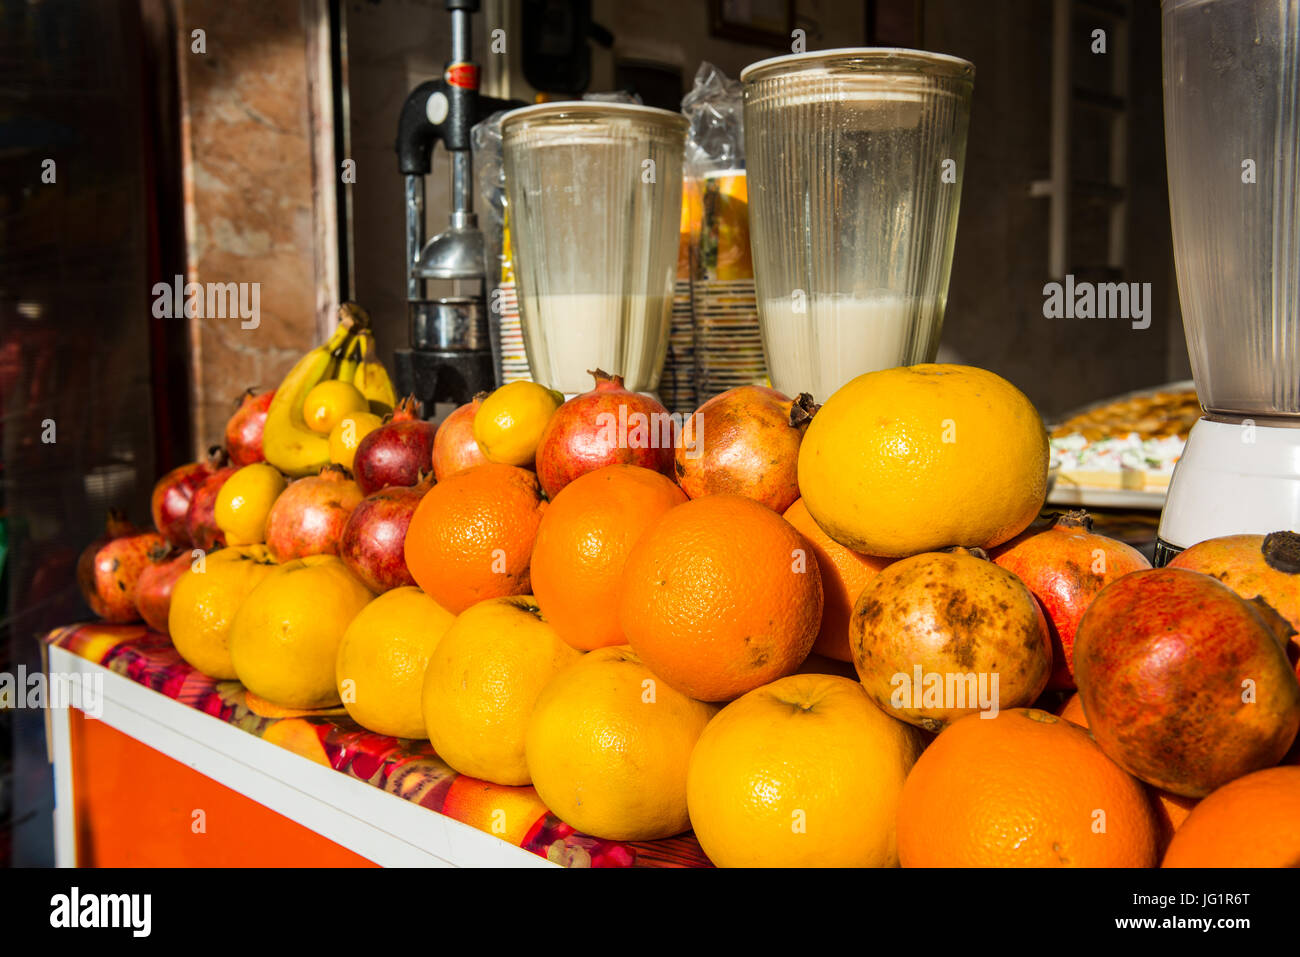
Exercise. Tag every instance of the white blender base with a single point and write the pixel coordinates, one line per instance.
(1233, 479)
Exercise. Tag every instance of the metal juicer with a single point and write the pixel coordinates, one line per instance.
(450, 358)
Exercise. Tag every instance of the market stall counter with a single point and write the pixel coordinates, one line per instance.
(164, 766)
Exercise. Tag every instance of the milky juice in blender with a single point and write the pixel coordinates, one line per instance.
(855, 160)
(594, 192)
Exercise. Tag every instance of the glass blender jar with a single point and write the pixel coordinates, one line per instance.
(1232, 142)
(595, 195)
(855, 164)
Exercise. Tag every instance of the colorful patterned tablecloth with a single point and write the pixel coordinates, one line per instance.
(408, 769)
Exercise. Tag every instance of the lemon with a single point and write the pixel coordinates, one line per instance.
(918, 458)
(508, 425)
(347, 435)
(382, 659)
(284, 641)
(205, 600)
(245, 501)
(329, 401)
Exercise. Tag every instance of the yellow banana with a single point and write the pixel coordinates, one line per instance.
(287, 442)
(372, 378)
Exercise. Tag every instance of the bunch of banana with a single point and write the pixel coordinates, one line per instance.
(349, 355)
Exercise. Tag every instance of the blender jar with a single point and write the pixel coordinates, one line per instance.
(1232, 142)
(855, 160)
(594, 192)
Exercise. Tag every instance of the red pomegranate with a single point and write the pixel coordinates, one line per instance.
(110, 567)
(745, 442)
(309, 516)
(153, 591)
(1066, 566)
(244, 429)
(201, 519)
(1185, 683)
(607, 426)
(396, 452)
(454, 446)
(374, 539)
(173, 493)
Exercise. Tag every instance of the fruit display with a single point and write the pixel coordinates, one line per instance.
(810, 635)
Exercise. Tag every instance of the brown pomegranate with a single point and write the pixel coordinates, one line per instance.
(1185, 683)
(153, 592)
(745, 442)
(201, 519)
(309, 516)
(943, 634)
(244, 428)
(607, 426)
(374, 539)
(1264, 565)
(454, 446)
(110, 567)
(1066, 565)
(397, 452)
(173, 493)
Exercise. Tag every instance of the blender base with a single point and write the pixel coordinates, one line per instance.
(1234, 478)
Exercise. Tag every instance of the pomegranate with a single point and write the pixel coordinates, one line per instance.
(374, 539)
(109, 568)
(746, 442)
(201, 519)
(454, 446)
(1185, 683)
(309, 516)
(153, 591)
(943, 634)
(1066, 565)
(173, 493)
(244, 429)
(396, 452)
(607, 426)
(1264, 565)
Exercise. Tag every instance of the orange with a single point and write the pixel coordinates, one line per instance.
(1253, 821)
(844, 574)
(205, 600)
(582, 543)
(482, 682)
(608, 745)
(1170, 809)
(1023, 789)
(915, 459)
(803, 772)
(472, 535)
(719, 596)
